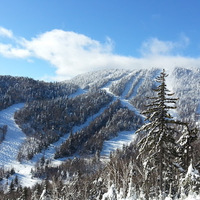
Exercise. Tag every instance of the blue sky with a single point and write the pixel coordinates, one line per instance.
(55, 40)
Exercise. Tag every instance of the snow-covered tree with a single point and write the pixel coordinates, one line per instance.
(158, 147)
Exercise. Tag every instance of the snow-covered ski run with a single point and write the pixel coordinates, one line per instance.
(10, 146)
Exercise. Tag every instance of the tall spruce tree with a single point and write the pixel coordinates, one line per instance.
(158, 147)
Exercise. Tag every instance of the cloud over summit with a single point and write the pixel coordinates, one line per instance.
(73, 53)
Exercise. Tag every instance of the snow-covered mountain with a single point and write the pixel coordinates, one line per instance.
(92, 114)
(136, 85)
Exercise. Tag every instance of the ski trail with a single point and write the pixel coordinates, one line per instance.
(129, 84)
(135, 88)
(124, 137)
(112, 81)
(124, 101)
(136, 85)
(13, 138)
(10, 146)
(77, 93)
(127, 104)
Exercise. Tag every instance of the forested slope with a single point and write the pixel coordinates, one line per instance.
(19, 89)
(109, 103)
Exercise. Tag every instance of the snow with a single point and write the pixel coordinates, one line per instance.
(128, 85)
(127, 104)
(122, 99)
(192, 197)
(96, 77)
(77, 93)
(126, 136)
(137, 85)
(198, 109)
(123, 138)
(192, 172)
(198, 114)
(23, 171)
(9, 147)
(50, 152)
(14, 136)
(111, 194)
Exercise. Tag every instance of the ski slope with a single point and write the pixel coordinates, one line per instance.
(124, 137)
(10, 146)
(14, 136)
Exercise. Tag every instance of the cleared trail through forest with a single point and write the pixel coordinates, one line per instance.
(124, 137)
(13, 138)
(10, 146)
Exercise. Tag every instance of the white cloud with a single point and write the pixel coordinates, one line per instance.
(154, 46)
(5, 32)
(10, 52)
(72, 53)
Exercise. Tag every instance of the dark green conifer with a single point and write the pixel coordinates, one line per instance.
(158, 147)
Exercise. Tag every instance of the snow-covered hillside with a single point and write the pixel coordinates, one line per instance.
(136, 85)
(126, 92)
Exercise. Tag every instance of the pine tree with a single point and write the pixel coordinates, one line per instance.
(158, 147)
